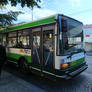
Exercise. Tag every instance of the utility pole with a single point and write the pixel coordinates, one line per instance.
(32, 13)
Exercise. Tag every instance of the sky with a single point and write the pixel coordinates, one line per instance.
(77, 9)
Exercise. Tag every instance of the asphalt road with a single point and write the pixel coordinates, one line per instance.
(81, 83)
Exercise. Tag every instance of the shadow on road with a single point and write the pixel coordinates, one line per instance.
(77, 83)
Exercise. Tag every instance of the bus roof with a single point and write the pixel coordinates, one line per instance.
(43, 21)
(46, 20)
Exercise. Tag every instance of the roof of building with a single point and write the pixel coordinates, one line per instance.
(87, 26)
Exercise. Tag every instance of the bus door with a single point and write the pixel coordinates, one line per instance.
(36, 37)
(48, 49)
(43, 50)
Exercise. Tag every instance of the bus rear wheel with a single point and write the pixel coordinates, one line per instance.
(23, 65)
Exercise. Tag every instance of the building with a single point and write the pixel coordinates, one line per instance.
(87, 29)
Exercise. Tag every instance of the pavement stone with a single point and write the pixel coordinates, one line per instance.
(11, 83)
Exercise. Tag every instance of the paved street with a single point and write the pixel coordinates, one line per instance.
(32, 83)
(11, 83)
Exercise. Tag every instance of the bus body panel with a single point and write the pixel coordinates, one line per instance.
(16, 53)
(73, 60)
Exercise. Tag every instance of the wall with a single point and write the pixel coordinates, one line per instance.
(88, 39)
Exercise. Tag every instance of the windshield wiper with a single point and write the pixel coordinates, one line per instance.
(77, 51)
(81, 50)
(72, 53)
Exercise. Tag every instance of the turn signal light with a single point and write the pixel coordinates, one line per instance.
(63, 66)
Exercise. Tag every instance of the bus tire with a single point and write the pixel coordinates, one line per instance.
(23, 65)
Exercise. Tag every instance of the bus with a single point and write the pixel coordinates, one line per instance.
(51, 47)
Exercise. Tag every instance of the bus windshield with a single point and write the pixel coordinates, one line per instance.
(72, 37)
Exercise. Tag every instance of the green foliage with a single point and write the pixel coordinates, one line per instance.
(28, 3)
(6, 19)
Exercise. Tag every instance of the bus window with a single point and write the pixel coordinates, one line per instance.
(48, 41)
(71, 37)
(12, 39)
(23, 39)
(36, 42)
(48, 48)
(4, 40)
(12, 42)
(12, 34)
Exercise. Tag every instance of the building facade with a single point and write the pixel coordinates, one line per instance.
(87, 29)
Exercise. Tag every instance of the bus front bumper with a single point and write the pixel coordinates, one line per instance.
(70, 75)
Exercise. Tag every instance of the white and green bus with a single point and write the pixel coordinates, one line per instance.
(51, 46)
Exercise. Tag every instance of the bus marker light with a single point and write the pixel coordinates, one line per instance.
(64, 66)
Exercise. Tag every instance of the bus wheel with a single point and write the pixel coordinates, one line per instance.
(23, 65)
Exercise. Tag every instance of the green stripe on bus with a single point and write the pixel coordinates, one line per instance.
(17, 56)
(79, 61)
(31, 24)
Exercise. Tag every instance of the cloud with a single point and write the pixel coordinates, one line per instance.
(37, 14)
(24, 17)
(75, 3)
(27, 16)
(40, 13)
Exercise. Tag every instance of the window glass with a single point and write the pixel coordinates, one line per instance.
(23, 39)
(36, 40)
(12, 34)
(12, 42)
(48, 40)
(26, 33)
(12, 39)
(4, 40)
(50, 27)
(71, 40)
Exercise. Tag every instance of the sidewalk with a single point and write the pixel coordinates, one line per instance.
(10, 83)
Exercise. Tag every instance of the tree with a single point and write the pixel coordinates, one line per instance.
(2, 7)
(7, 18)
(28, 3)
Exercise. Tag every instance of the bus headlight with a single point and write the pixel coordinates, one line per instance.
(63, 66)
